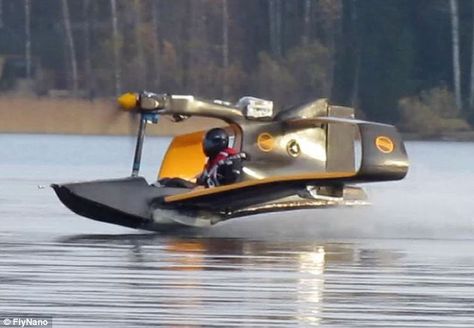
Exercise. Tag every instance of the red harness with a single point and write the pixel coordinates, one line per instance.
(209, 173)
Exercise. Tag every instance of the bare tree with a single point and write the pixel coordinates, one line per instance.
(331, 13)
(86, 16)
(116, 46)
(471, 95)
(279, 27)
(455, 44)
(357, 60)
(1, 14)
(155, 10)
(197, 54)
(139, 43)
(70, 46)
(307, 22)
(28, 38)
(225, 46)
(275, 19)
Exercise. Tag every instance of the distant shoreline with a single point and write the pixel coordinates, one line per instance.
(83, 117)
(19, 115)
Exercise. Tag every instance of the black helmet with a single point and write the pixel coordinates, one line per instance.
(215, 141)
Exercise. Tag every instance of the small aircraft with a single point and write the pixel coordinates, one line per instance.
(307, 156)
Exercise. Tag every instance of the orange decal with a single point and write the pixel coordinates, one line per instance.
(384, 144)
(265, 142)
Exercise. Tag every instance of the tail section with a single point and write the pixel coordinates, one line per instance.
(383, 153)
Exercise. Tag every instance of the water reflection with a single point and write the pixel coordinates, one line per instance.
(147, 280)
(223, 279)
(310, 286)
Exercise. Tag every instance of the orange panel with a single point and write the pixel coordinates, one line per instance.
(184, 158)
(249, 183)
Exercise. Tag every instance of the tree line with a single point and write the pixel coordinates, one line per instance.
(400, 61)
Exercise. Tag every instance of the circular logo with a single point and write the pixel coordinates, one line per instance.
(7, 322)
(265, 141)
(384, 144)
(293, 148)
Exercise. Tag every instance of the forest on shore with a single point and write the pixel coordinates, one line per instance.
(405, 62)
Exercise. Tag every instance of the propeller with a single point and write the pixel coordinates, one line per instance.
(143, 102)
(128, 103)
(145, 106)
(123, 115)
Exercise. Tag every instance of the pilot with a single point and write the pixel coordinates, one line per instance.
(224, 164)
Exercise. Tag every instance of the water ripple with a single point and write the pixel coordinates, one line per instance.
(192, 282)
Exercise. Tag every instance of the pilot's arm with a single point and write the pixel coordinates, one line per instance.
(229, 170)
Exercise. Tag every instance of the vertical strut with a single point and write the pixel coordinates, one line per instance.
(151, 117)
(139, 146)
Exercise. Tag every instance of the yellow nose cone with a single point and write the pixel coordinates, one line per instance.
(128, 101)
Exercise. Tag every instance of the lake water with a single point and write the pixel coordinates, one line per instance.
(407, 260)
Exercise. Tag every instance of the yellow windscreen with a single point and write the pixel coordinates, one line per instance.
(184, 158)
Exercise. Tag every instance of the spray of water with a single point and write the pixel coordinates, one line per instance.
(434, 201)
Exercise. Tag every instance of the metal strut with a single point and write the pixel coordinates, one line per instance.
(144, 119)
